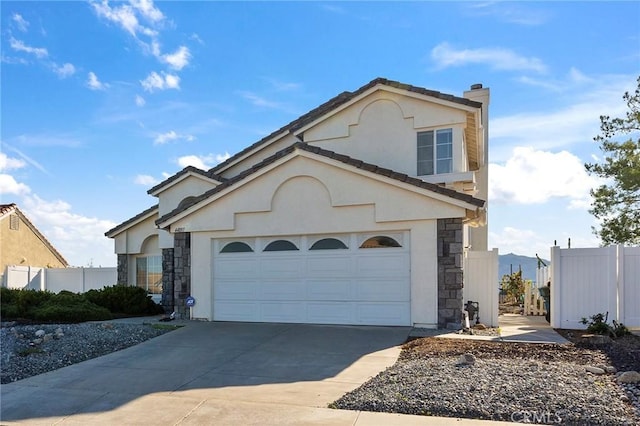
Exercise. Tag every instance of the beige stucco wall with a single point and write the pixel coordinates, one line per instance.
(382, 129)
(325, 200)
(301, 194)
(23, 247)
(258, 156)
(131, 240)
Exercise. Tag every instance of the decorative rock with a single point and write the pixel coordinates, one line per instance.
(466, 359)
(480, 326)
(36, 341)
(47, 337)
(107, 325)
(596, 339)
(610, 369)
(595, 370)
(58, 330)
(40, 333)
(629, 377)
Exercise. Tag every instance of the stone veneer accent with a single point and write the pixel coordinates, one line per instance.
(450, 278)
(123, 270)
(181, 273)
(167, 280)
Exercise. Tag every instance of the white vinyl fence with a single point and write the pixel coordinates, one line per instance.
(76, 280)
(481, 284)
(588, 281)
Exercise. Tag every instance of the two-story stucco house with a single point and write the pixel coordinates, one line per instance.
(355, 213)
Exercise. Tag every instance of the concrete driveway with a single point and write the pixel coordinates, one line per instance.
(203, 373)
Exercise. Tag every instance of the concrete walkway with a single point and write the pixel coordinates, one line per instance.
(224, 374)
(513, 328)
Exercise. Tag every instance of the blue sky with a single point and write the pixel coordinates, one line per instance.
(102, 100)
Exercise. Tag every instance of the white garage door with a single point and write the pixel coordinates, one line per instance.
(355, 279)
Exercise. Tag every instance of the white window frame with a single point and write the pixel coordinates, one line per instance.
(436, 158)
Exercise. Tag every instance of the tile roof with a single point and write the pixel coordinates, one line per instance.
(111, 232)
(6, 208)
(9, 208)
(339, 100)
(208, 174)
(332, 155)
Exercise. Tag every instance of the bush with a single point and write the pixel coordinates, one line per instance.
(597, 324)
(17, 303)
(127, 300)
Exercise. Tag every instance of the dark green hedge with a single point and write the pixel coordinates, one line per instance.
(66, 306)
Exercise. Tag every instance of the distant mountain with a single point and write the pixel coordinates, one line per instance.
(529, 265)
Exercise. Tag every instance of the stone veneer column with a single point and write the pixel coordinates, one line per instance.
(167, 280)
(181, 273)
(123, 270)
(450, 278)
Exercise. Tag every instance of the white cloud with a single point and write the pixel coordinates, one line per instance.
(576, 123)
(196, 37)
(19, 46)
(179, 59)
(534, 177)
(7, 163)
(171, 135)
(93, 83)
(8, 185)
(259, 101)
(75, 236)
(21, 23)
(511, 12)
(155, 81)
(64, 70)
(148, 10)
(445, 56)
(123, 15)
(283, 86)
(145, 180)
(203, 162)
(140, 101)
(524, 242)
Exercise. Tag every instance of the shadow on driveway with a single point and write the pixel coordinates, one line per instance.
(305, 365)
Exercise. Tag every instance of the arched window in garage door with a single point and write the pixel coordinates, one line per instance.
(328, 244)
(280, 245)
(236, 247)
(380, 241)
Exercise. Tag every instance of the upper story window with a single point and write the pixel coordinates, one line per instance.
(435, 152)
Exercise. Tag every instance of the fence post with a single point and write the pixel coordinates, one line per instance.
(556, 290)
(620, 283)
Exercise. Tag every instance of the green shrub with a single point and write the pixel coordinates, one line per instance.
(597, 324)
(127, 300)
(16, 303)
(70, 307)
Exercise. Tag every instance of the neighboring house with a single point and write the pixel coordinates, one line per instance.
(357, 212)
(22, 244)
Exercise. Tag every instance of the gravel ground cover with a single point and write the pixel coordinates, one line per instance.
(28, 350)
(518, 382)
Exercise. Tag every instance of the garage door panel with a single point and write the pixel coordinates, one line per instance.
(236, 290)
(232, 267)
(392, 265)
(283, 312)
(329, 266)
(288, 267)
(382, 291)
(281, 290)
(336, 290)
(331, 313)
(383, 313)
(236, 311)
(354, 286)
